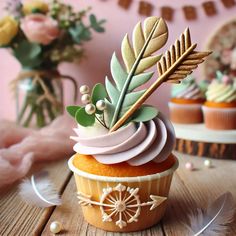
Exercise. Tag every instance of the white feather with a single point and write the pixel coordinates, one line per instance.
(39, 191)
(215, 220)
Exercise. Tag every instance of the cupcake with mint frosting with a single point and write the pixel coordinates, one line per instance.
(220, 106)
(187, 99)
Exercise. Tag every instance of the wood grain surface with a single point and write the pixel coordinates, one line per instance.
(189, 190)
(206, 149)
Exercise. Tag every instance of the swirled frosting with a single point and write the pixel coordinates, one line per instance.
(136, 144)
(188, 89)
(221, 91)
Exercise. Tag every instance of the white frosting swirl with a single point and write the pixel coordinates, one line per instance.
(136, 144)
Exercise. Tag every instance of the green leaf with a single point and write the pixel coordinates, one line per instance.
(83, 118)
(93, 19)
(96, 25)
(98, 93)
(145, 113)
(99, 29)
(28, 54)
(118, 73)
(112, 91)
(80, 33)
(139, 80)
(131, 98)
(109, 111)
(72, 110)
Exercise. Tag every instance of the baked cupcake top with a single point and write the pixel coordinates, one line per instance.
(222, 89)
(114, 124)
(188, 89)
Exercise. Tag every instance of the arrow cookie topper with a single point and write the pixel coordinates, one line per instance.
(178, 62)
(122, 201)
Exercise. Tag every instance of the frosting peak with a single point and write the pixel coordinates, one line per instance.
(135, 144)
(188, 89)
(221, 91)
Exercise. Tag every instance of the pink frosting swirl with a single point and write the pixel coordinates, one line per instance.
(135, 144)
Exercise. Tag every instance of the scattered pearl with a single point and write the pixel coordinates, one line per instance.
(189, 166)
(86, 98)
(208, 163)
(90, 109)
(84, 89)
(101, 105)
(55, 227)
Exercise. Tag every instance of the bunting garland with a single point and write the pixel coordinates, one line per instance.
(190, 12)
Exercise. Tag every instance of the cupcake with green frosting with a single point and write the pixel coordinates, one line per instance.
(186, 101)
(220, 106)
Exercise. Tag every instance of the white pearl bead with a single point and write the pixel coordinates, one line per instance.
(101, 105)
(55, 227)
(189, 166)
(84, 89)
(86, 98)
(90, 109)
(208, 163)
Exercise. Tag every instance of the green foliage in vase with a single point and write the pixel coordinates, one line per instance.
(70, 32)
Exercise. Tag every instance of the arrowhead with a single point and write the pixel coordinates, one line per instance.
(157, 200)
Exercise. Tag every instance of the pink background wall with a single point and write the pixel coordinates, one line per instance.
(99, 50)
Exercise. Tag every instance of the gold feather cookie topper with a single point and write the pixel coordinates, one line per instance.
(175, 65)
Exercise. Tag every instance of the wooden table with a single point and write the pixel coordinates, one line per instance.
(190, 189)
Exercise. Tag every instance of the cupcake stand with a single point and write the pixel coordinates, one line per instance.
(196, 139)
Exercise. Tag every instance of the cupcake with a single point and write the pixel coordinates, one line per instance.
(125, 176)
(123, 165)
(220, 106)
(187, 99)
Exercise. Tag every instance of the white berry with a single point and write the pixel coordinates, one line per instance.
(189, 166)
(55, 227)
(208, 163)
(90, 109)
(86, 98)
(101, 105)
(84, 89)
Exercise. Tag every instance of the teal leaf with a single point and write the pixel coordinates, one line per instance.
(80, 33)
(131, 98)
(112, 91)
(145, 113)
(83, 118)
(109, 111)
(96, 25)
(139, 80)
(72, 110)
(29, 54)
(93, 19)
(98, 93)
(118, 73)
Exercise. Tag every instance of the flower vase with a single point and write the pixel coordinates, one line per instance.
(39, 97)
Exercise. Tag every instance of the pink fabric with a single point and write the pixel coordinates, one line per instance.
(22, 147)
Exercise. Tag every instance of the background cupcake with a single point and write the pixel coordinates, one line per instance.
(187, 99)
(220, 107)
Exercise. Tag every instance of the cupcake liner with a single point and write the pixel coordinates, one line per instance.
(123, 204)
(219, 118)
(185, 113)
